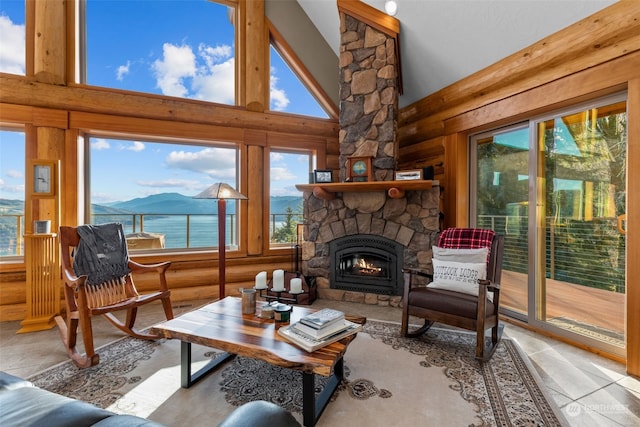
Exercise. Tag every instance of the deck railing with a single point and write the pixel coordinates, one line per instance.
(179, 230)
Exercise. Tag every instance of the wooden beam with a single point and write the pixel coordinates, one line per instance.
(256, 58)
(19, 90)
(256, 194)
(370, 16)
(50, 42)
(33, 115)
(633, 228)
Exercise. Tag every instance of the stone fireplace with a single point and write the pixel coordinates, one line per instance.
(410, 222)
(358, 238)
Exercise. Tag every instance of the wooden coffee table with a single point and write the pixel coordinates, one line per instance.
(222, 325)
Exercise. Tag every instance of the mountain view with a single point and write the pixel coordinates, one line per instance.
(163, 213)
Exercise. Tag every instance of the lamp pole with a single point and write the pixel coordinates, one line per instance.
(222, 244)
(221, 192)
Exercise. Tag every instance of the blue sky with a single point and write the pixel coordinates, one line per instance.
(183, 48)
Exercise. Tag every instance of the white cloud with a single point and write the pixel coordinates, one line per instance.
(279, 99)
(12, 47)
(100, 144)
(214, 55)
(17, 189)
(276, 157)
(122, 71)
(208, 74)
(136, 146)
(178, 63)
(281, 174)
(218, 163)
(216, 84)
(14, 173)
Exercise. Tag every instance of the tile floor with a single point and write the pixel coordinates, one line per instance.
(590, 390)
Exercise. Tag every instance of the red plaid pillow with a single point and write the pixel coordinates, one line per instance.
(466, 238)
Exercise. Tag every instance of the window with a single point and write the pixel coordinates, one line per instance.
(149, 186)
(182, 48)
(12, 28)
(287, 92)
(12, 190)
(287, 168)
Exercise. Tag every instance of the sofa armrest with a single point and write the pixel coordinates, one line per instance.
(11, 382)
(259, 413)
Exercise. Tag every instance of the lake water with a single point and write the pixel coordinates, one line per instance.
(202, 229)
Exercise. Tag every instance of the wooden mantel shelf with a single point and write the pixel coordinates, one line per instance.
(395, 189)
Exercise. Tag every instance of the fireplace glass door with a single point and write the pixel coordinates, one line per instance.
(366, 263)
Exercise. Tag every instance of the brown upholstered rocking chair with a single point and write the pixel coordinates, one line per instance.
(97, 281)
(456, 297)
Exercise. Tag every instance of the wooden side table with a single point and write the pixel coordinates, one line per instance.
(42, 263)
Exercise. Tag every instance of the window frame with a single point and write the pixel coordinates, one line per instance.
(159, 139)
(78, 65)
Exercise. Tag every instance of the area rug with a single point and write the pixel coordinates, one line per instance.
(389, 380)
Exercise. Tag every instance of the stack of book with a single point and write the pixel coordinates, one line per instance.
(319, 329)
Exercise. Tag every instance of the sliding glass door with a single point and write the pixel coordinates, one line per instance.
(556, 188)
(580, 226)
(501, 186)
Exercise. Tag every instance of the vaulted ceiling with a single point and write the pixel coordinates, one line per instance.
(441, 41)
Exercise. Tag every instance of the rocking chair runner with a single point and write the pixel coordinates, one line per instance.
(446, 304)
(107, 288)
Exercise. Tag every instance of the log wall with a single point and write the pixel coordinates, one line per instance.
(597, 56)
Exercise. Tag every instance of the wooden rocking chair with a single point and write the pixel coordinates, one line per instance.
(85, 298)
(455, 304)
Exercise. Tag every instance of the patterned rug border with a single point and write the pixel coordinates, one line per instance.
(539, 396)
(453, 352)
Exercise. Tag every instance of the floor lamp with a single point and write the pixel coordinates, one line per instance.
(222, 192)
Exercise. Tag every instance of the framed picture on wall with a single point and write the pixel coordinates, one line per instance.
(407, 175)
(323, 176)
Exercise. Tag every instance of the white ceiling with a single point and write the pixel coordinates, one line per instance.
(443, 41)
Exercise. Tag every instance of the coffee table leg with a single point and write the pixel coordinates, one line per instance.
(187, 379)
(312, 408)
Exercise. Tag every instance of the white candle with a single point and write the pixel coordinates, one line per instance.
(261, 280)
(296, 285)
(278, 280)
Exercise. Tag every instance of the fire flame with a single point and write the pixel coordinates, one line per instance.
(367, 268)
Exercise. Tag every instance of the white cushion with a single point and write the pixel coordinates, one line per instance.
(460, 255)
(459, 276)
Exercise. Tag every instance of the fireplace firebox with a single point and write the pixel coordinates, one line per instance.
(366, 263)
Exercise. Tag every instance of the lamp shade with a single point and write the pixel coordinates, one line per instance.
(220, 190)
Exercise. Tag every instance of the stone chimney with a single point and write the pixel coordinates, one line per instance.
(369, 87)
(368, 96)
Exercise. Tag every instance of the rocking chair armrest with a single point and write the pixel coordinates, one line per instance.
(71, 280)
(160, 267)
(489, 285)
(417, 272)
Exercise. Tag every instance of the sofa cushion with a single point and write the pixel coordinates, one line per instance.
(448, 302)
(35, 407)
(126, 421)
